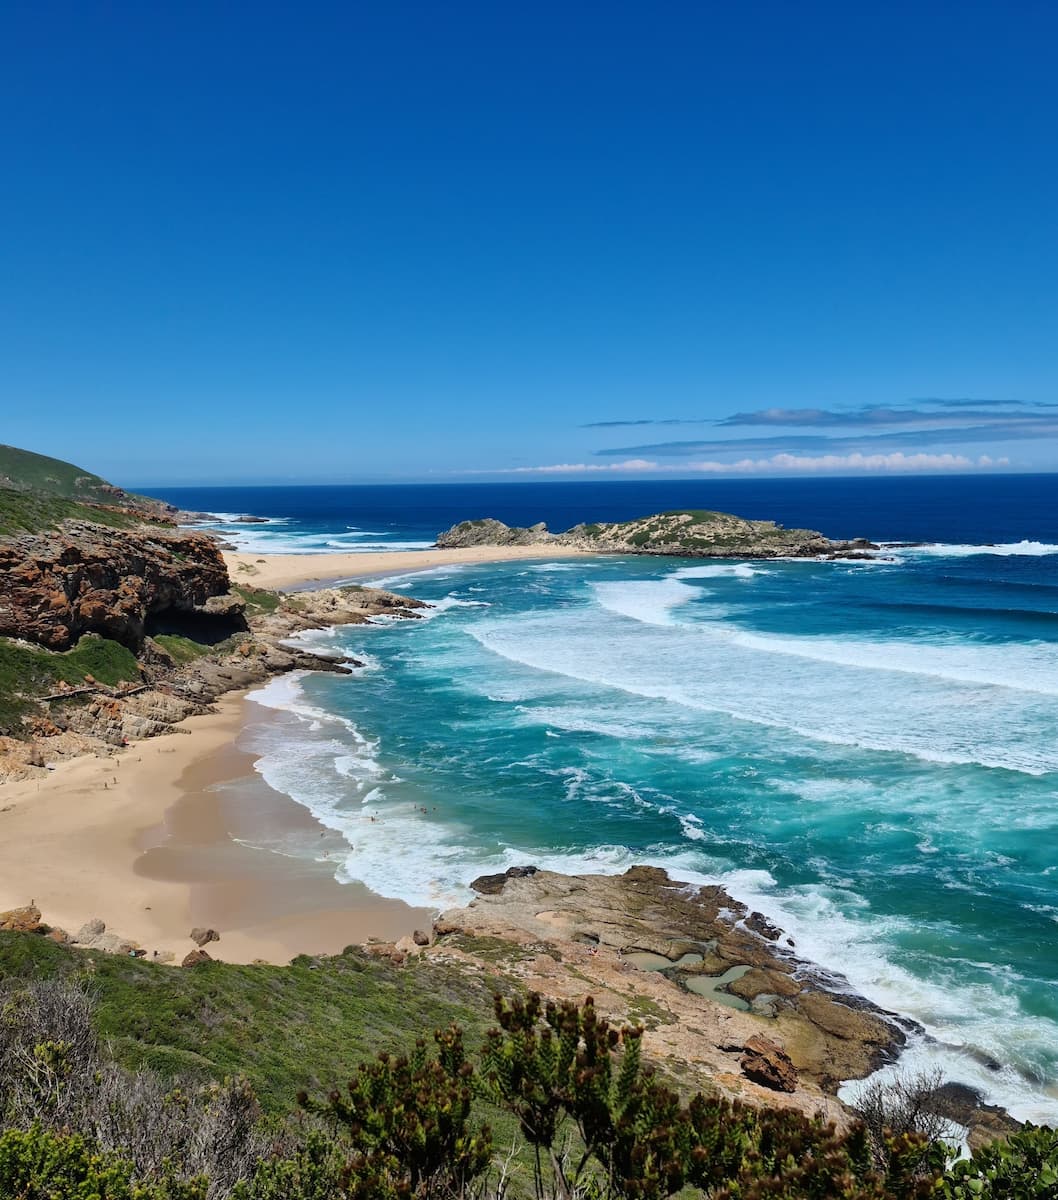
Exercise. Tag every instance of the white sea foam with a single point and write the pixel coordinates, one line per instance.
(442, 572)
(956, 550)
(650, 601)
(719, 571)
(1023, 666)
(717, 669)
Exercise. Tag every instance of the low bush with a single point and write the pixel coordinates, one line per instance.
(590, 1122)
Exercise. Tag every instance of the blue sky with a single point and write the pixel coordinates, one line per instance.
(269, 243)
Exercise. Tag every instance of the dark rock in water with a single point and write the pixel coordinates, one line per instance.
(202, 937)
(492, 885)
(250, 521)
(966, 1106)
(767, 1063)
(759, 923)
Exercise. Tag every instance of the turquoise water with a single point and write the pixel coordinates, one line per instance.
(865, 752)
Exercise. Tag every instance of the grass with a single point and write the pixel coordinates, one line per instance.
(32, 511)
(182, 650)
(38, 492)
(23, 468)
(28, 671)
(306, 1025)
(258, 600)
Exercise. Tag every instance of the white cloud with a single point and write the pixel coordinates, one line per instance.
(898, 461)
(630, 464)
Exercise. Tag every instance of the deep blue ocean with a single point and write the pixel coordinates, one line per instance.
(866, 752)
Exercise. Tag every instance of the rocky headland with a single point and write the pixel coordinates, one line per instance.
(726, 1000)
(686, 533)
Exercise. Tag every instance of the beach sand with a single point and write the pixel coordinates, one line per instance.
(151, 841)
(288, 570)
(179, 831)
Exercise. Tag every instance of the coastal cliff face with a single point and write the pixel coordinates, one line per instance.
(87, 578)
(175, 677)
(690, 534)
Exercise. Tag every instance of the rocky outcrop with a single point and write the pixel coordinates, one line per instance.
(95, 720)
(87, 578)
(490, 532)
(691, 534)
(22, 920)
(704, 974)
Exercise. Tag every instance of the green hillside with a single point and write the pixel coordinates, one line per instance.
(38, 492)
(24, 470)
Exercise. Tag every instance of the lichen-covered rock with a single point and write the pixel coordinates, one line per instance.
(88, 578)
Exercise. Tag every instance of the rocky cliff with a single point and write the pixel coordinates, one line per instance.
(175, 677)
(688, 533)
(88, 578)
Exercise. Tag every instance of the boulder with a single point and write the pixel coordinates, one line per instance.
(202, 937)
(492, 885)
(767, 1063)
(420, 937)
(195, 958)
(22, 920)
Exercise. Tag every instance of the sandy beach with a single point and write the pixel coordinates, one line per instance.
(288, 570)
(175, 832)
(154, 842)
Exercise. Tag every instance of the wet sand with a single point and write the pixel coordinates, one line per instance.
(179, 831)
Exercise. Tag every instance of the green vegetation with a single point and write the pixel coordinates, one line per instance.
(24, 469)
(1024, 1167)
(283, 1028)
(38, 492)
(31, 512)
(258, 600)
(182, 649)
(554, 1104)
(27, 671)
(699, 516)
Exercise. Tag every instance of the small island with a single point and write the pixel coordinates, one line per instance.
(688, 533)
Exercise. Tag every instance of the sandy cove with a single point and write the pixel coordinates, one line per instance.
(146, 841)
(155, 840)
(288, 570)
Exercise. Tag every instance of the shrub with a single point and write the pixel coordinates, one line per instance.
(1024, 1167)
(407, 1123)
(38, 1165)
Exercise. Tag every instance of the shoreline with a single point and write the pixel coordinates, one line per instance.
(282, 571)
(154, 841)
